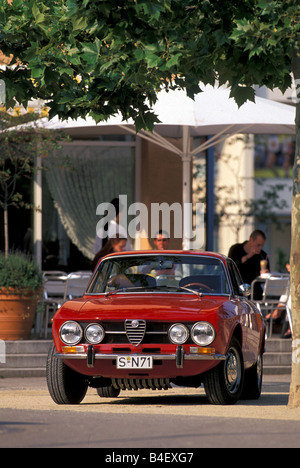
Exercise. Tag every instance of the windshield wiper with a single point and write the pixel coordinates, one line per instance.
(116, 291)
(128, 289)
(153, 288)
(181, 288)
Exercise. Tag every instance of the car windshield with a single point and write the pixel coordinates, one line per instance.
(163, 273)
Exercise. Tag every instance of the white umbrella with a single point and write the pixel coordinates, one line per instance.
(212, 112)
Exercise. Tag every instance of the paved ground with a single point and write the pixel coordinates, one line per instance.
(176, 418)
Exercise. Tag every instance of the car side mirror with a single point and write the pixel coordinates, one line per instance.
(245, 290)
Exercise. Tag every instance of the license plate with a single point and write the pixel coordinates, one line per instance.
(135, 362)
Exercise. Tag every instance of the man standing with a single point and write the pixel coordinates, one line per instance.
(248, 256)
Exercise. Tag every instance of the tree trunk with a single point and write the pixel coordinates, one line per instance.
(6, 240)
(294, 400)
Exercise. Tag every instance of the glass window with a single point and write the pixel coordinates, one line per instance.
(181, 273)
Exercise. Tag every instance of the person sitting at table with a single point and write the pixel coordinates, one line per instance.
(114, 245)
(161, 240)
(248, 257)
(277, 314)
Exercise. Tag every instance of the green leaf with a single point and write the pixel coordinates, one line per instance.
(272, 42)
(151, 9)
(152, 60)
(256, 51)
(146, 121)
(139, 54)
(38, 16)
(69, 71)
(241, 94)
(72, 7)
(91, 52)
(74, 59)
(37, 72)
(173, 61)
(98, 117)
(263, 4)
(79, 23)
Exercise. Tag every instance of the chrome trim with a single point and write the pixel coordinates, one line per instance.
(135, 331)
(98, 325)
(178, 325)
(193, 336)
(115, 332)
(156, 333)
(111, 332)
(81, 333)
(156, 357)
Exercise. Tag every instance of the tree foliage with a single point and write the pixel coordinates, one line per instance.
(106, 56)
(95, 56)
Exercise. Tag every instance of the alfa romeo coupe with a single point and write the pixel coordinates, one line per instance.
(155, 320)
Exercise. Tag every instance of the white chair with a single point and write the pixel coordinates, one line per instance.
(76, 284)
(54, 289)
(276, 293)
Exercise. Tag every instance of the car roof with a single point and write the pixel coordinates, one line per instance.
(168, 252)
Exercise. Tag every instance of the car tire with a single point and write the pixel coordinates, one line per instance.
(65, 386)
(224, 384)
(253, 380)
(108, 392)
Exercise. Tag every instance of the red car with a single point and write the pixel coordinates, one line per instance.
(155, 319)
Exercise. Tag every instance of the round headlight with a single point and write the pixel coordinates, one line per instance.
(178, 333)
(71, 333)
(203, 333)
(94, 333)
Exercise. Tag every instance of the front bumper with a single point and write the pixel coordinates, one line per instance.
(180, 356)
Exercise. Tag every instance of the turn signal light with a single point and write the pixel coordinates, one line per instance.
(194, 350)
(72, 349)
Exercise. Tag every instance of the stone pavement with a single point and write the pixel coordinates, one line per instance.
(176, 420)
(32, 394)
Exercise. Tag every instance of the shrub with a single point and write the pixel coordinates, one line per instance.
(19, 273)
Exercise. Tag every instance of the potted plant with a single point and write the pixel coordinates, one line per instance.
(21, 284)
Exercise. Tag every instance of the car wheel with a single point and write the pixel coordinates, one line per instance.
(108, 392)
(224, 384)
(253, 380)
(65, 386)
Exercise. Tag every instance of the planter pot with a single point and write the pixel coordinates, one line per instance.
(17, 313)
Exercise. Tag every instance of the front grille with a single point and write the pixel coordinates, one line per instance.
(135, 331)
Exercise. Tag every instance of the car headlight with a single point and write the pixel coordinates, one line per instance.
(203, 333)
(71, 333)
(94, 333)
(178, 333)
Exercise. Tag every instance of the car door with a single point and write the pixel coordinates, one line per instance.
(247, 317)
(250, 317)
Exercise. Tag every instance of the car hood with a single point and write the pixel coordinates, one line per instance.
(149, 306)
